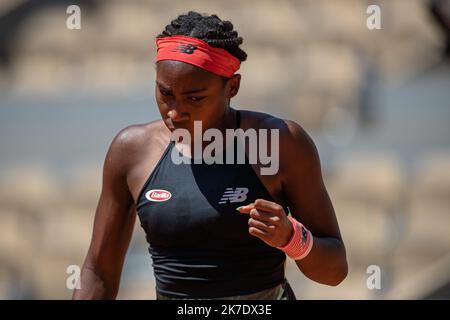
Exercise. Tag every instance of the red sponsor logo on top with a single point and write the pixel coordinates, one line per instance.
(158, 195)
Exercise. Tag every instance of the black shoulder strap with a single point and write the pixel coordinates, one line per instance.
(238, 119)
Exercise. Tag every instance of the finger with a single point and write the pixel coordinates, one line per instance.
(265, 226)
(246, 208)
(263, 235)
(269, 206)
(264, 216)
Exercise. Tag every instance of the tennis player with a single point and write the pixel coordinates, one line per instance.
(220, 230)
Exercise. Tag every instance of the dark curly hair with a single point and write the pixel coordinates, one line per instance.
(211, 29)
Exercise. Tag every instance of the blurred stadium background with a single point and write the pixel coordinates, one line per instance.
(377, 104)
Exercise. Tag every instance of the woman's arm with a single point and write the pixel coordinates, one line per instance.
(113, 227)
(310, 204)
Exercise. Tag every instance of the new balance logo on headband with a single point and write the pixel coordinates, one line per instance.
(236, 195)
(185, 48)
(198, 53)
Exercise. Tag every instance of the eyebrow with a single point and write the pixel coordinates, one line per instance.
(185, 92)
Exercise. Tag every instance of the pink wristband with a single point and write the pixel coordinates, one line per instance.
(300, 243)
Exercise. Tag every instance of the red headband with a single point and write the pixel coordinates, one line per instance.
(198, 53)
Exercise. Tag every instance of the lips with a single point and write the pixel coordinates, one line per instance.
(181, 124)
(178, 116)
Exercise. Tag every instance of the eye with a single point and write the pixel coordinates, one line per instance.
(165, 93)
(195, 99)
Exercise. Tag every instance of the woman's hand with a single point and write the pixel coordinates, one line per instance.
(269, 222)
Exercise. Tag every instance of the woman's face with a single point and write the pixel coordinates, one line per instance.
(185, 93)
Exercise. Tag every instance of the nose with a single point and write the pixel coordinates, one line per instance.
(177, 116)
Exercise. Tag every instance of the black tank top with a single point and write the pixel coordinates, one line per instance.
(199, 243)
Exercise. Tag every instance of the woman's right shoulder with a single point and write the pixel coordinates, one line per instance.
(134, 140)
(133, 137)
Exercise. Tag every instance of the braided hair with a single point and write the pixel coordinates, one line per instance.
(211, 29)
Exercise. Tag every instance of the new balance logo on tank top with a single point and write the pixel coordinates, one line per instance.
(199, 243)
(236, 195)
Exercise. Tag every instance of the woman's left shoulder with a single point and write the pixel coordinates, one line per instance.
(297, 153)
(290, 131)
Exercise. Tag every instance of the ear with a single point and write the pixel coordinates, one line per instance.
(233, 85)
